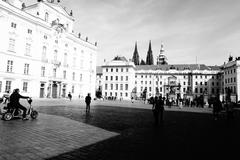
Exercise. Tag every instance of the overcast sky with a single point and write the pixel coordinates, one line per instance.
(203, 30)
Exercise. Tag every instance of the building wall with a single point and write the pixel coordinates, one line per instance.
(31, 35)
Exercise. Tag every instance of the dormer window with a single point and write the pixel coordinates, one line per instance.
(46, 17)
(13, 25)
(29, 31)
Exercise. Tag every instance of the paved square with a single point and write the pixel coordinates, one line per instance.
(46, 137)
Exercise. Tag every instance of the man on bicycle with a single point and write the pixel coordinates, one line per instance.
(14, 102)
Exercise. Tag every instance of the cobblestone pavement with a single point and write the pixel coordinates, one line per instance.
(119, 131)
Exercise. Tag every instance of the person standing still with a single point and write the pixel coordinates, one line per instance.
(88, 101)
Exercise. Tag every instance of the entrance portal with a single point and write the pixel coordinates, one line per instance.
(54, 90)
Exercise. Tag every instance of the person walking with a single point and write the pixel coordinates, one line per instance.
(70, 96)
(88, 101)
(158, 108)
(216, 107)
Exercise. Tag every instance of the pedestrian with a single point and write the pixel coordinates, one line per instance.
(216, 107)
(70, 96)
(158, 108)
(88, 101)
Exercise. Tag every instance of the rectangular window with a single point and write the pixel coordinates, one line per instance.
(28, 49)
(0, 86)
(126, 87)
(73, 89)
(116, 78)
(42, 71)
(196, 90)
(160, 89)
(126, 69)
(11, 45)
(111, 78)
(126, 78)
(8, 86)
(54, 72)
(44, 54)
(106, 86)
(121, 86)
(9, 66)
(64, 74)
(73, 76)
(26, 69)
(126, 94)
(116, 86)
(80, 77)
(121, 78)
(25, 86)
(111, 86)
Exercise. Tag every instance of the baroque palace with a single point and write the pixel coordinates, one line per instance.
(40, 54)
(122, 78)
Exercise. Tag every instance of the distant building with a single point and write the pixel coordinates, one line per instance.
(121, 78)
(40, 54)
(231, 79)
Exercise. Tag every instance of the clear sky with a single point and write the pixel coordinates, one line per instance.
(203, 30)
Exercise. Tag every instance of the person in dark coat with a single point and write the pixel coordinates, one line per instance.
(88, 101)
(14, 102)
(158, 108)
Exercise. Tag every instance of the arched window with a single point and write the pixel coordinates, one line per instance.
(46, 17)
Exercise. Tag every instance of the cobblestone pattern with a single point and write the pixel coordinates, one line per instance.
(45, 137)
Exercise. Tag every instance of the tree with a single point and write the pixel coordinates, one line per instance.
(149, 59)
(142, 62)
(135, 58)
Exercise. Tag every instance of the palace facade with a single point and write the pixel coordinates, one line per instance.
(41, 55)
(120, 78)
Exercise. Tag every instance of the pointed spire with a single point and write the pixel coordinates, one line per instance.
(135, 58)
(161, 59)
(149, 59)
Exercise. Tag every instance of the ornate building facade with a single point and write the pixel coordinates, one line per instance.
(123, 79)
(40, 54)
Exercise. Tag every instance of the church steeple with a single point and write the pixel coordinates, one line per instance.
(161, 59)
(135, 57)
(149, 59)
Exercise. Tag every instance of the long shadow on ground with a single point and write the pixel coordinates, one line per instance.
(183, 134)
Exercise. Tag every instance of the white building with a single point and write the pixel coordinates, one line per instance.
(122, 79)
(40, 55)
(231, 78)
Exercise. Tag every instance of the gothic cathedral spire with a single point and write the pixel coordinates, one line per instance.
(135, 57)
(149, 59)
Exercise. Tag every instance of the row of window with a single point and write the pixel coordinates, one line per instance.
(116, 78)
(230, 80)
(230, 71)
(117, 87)
(116, 70)
(196, 77)
(115, 94)
(8, 86)
(43, 70)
